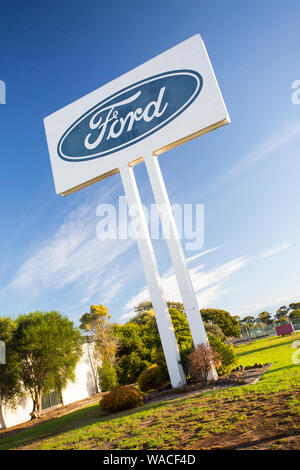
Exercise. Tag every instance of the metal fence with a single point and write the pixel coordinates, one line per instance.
(262, 331)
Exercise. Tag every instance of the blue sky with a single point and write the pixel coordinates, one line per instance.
(246, 174)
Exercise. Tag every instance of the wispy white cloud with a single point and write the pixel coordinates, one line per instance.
(202, 253)
(263, 150)
(267, 304)
(266, 148)
(209, 285)
(74, 256)
(275, 250)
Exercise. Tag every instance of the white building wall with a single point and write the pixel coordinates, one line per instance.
(83, 387)
(20, 414)
(86, 376)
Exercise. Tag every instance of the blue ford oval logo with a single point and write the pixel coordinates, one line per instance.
(130, 115)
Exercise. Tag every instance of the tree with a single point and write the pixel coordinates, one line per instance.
(295, 314)
(229, 325)
(140, 344)
(182, 331)
(10, 383)
(146, 306)
(152, 338)
(264, 317)
(133, 355)
(107, 376)
(294, 306)
(96, 325)
(282, 313)
(214, 330)
(89, 322)
(48, 347)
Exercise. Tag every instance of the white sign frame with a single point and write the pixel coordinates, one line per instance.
(205, 113)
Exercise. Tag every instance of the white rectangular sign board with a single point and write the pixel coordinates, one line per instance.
(161, 104)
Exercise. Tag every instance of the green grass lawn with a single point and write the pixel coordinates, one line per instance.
(228, 417)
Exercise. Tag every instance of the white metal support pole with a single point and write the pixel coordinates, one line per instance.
(162, 315)
(176, 252)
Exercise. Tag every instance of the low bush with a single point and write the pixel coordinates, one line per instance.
(226, 353)
(107, 376)
(121, 398)
(150, 378)
(200, 361)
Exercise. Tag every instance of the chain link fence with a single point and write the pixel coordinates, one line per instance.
(262, 331)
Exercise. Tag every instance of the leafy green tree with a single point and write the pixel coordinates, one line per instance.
(182, 331)
(264, 317)
(48, 347)
(214, 330)
(247, 324)
(143, 307)
(294, 306)
(282, 313)
(146, 306)
(175, 305)
(295, 314)
(229, 325)
(140, 344)
(90, 321)
(133, 356)
(10, 383)
(152, 339)
(107, 376)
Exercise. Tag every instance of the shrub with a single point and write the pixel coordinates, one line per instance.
(226, 353)
(200, 361)
(121, 398)
(107, 376)
(149, 378)
(140, 344)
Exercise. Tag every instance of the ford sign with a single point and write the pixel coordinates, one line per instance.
(155, 107)
(130, 115)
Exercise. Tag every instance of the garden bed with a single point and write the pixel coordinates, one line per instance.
(247, 376)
